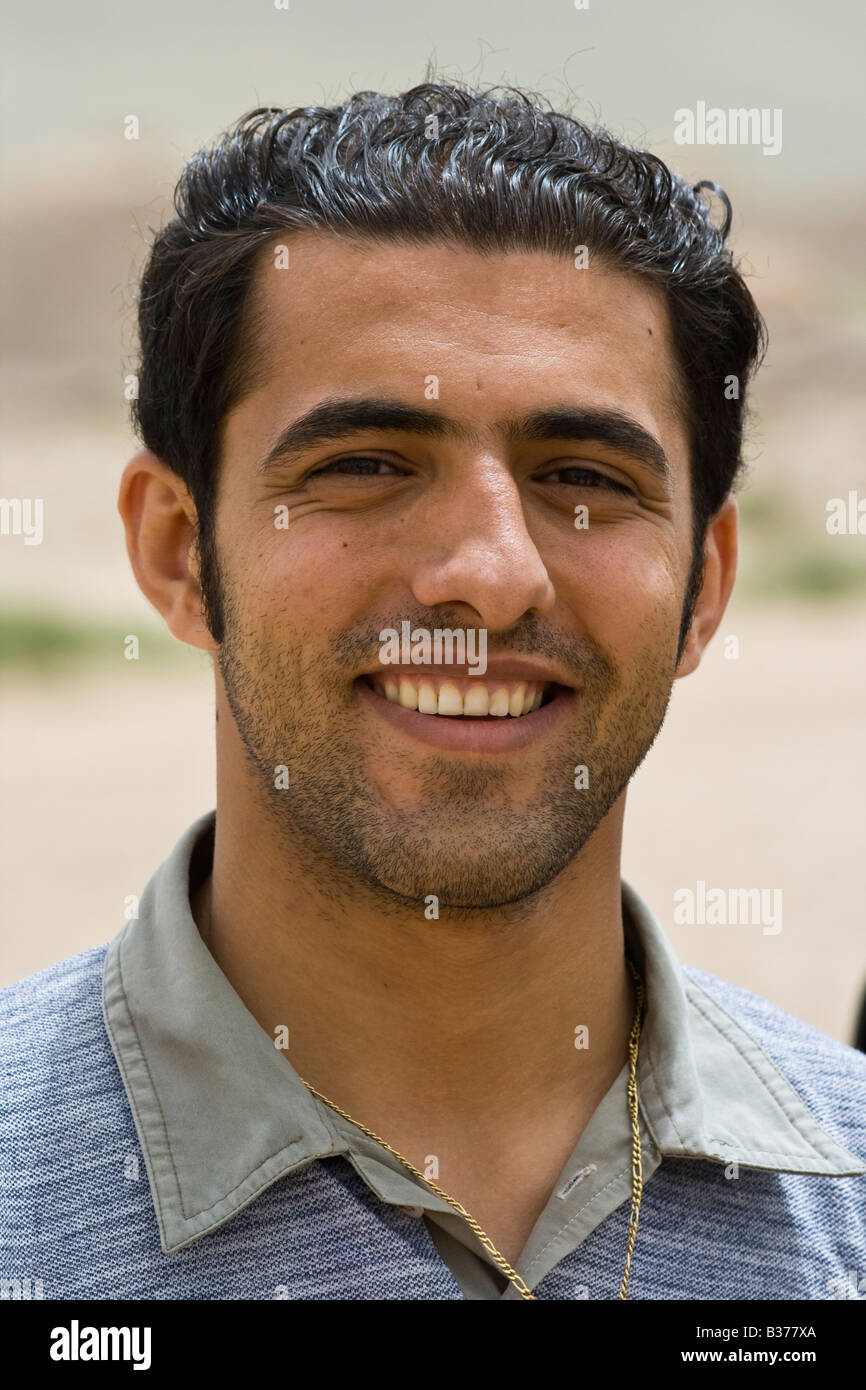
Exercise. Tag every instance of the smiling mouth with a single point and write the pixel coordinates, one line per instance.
(464, 697)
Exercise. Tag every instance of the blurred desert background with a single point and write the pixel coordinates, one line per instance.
(757, 779)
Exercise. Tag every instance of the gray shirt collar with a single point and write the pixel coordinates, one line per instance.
(222, 1114)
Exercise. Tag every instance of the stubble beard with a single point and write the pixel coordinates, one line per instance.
(460, 837)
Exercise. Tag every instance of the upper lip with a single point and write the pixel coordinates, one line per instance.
(507, 668)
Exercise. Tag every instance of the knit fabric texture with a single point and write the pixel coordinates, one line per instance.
(77, 1219)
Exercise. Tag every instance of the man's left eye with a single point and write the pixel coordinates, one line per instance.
(586, 477)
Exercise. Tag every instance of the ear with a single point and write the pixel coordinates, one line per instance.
(159, 517)
(720, 571)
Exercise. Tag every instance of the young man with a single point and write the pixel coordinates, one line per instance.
(440, 443)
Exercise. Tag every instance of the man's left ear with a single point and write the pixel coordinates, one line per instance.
(720, 571)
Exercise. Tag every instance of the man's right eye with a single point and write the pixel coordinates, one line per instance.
(356, 465)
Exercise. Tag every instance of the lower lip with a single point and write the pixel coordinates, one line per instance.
(462, 734)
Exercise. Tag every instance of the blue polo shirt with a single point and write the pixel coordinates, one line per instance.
(156, 1144)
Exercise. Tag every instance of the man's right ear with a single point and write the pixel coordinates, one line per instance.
(159, 517)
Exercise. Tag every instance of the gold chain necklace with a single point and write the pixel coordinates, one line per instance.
(636, 1164)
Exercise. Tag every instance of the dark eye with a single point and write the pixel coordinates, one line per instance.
(355, 465)
(586, 477)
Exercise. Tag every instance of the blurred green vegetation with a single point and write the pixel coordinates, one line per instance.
(787, 553)
(52, 642)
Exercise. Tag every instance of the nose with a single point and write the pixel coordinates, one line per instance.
(478, 551)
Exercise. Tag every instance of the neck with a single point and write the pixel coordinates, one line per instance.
(419, 1027)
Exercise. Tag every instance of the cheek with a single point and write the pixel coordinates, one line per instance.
(624, 588)
(286, 564)
(311, 580)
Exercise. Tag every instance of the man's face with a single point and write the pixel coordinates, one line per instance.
(470, 530)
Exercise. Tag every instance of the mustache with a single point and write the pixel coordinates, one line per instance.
(359, 646)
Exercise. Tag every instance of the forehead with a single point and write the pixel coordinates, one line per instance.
(504, 329)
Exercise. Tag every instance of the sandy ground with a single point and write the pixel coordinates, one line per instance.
(756, 781)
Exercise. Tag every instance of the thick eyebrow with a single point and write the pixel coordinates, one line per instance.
(336, 419)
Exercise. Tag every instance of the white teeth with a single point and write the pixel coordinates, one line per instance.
(427, 701)
(515, 703)
(408, 695)
(479, 701)
(476, 701)
(450, 699)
